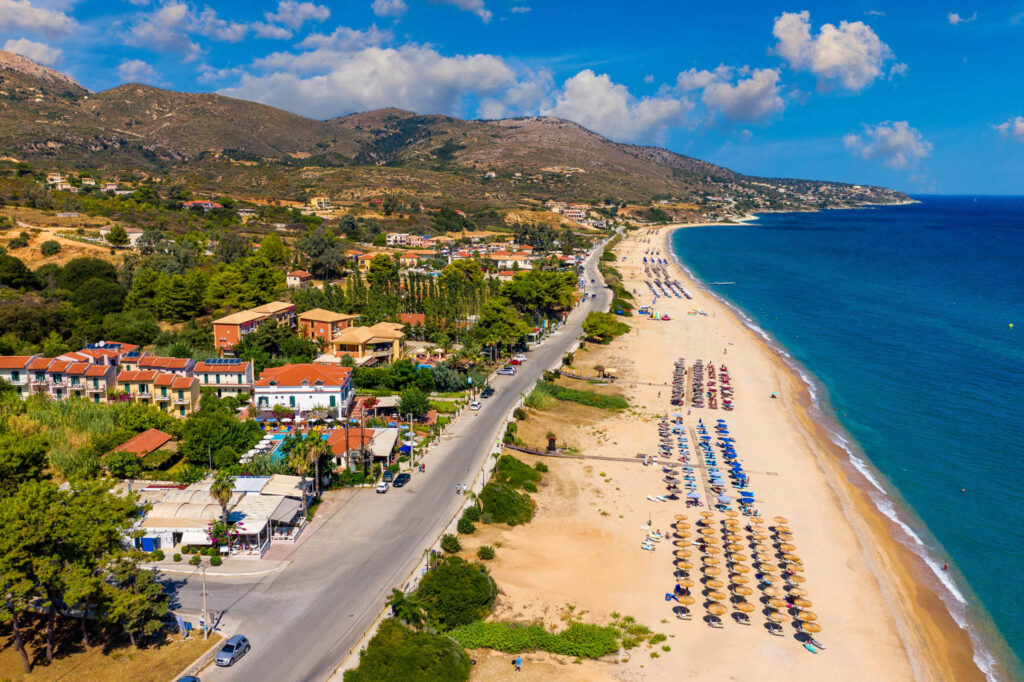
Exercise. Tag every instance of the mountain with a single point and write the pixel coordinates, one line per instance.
(236, 145)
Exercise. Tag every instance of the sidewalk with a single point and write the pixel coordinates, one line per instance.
(231, 568)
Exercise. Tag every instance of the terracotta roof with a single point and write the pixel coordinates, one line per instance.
(173, 381)
(98, 352)
(40, 363)
(241, 317)
(274, 307)
(140, 375)
(59, 365)
(202, 367)
(159, 362)
(414, 318)
(145, 442)
(294, 375)
(14, 361)
(343, 440)
(78, 368)
(321, 315)
(300, 273)
(74, 356)
(96, 371)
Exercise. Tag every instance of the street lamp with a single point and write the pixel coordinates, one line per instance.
(203, 565)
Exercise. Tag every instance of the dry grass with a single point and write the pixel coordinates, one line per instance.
(48, 226)
(110, 663)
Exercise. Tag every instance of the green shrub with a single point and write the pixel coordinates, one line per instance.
(49, 248)
(546, 391)
(450, 544)
(159, 459)
(465, 526)
(485, 552)
(187, 549)
(541, 467)
(514, 472)
(158, 555)
(530, 487)
(456, 593)
(579, 640)
(471, 514)
(504, 504)
(519, 414)
(195, 560)
(216, 560)
(176, 557)
(397, 654)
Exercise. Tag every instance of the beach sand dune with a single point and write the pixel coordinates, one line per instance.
(583, 547)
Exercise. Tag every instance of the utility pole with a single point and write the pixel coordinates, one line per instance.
(206, 617)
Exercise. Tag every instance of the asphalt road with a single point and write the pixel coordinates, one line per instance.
(303, 620)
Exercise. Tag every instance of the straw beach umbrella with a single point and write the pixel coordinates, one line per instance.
(745, 591)
(714, 584)
(773, 592)
(707, 531)
(803, 603)
(744, 606)
(713, 550)
(735, 547)
(787, 547)
(717, 609)
(685, 582)
(686, 599)
(707, 514)
(732, 513)
(796, 578)
(717, 596)
(680, 517)
(711, 560)
(781, 519)
(739, 579)
(682, 553)
(684, 565)
(777, 603)
(712, 570)
(794, 568)
(807, 615)
(737, 558)
(797, 591)
(777, 617)
(810, 627)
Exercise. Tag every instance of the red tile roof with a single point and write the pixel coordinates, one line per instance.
(173, 381)
(293, 375)
(14, 361)
(343, 440)
(59, 365)
(414, 318)
(78, 368)
(96, 371)
(300, 273)
(159, 362)
(40, 364)
(75, 356)
(140, 375)
(145, 442)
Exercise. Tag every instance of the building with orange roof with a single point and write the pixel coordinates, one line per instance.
(324, 325)
(180, 366)
(299, 279)
(304, 388)
(228, 377)
(229, 330)
(14, 370)
(174, 394)
(147, 442)
(61, 378)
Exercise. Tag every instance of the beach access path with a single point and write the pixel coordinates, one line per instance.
(306, 618)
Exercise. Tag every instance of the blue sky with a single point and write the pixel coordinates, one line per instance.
(921, 97)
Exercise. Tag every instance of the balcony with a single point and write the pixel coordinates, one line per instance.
(180, 401)
(96, 389)
(162, 398)
(38, 382)
(143, 396)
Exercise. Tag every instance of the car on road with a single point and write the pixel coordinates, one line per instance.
(515, 361)
(487, 392)
(507, 371)
(401, 479)
(475, 405)
(382, 487)
(388, 476)
(233, 649)
(520, 357)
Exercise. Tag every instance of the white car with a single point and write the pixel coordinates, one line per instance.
(507, 371)
(383, 487)
(475, 405)
(520, 358)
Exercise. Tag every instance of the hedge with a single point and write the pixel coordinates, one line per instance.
(504, 504)
(514, 472)
(579, 640)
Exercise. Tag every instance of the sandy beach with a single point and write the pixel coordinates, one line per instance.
(583, 548)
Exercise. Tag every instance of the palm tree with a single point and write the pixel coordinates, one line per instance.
(318, 450)
(404, 608)
(299, 460)
(221, 489)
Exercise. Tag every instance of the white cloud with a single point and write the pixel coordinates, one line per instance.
(895, 143)
(263, 30)
(875, 13)
(520, 9)
(23, 15)
(955, 19)
(324, 51)
(210, 25)
(608, 108)
(850, 56)
(1013, 128)
(294, 14)
(137, 71)
(475, 6)
(412, 77)
(696, 79)
(389, 8)
(898, 69)
(165, 30)
(37, 52)
(530, 93)
(750, 99)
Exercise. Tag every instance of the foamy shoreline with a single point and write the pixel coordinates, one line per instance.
(887, 526)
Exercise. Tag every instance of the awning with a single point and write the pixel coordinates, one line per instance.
(286, 511)
(195, 537)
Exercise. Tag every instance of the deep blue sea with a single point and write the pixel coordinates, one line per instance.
(904, 314)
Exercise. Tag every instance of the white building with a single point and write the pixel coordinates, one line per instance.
(303, 388)
(227, 376)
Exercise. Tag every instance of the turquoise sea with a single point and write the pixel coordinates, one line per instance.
(900, 320)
